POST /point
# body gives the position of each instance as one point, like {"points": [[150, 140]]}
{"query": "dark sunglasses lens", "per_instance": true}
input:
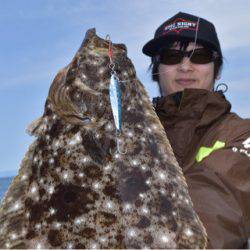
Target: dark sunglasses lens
{"points": [[199, 56], [202, 56], [170, 57]]}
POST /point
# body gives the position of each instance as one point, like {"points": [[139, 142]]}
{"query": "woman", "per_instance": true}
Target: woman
{"points": [[211, 144]]}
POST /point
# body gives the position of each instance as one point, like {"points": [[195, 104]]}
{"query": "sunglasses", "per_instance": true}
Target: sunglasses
{"points": [[198, 56]]}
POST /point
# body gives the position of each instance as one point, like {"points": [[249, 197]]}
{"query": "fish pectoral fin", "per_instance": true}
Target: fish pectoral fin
{"points": [[78, 119]]}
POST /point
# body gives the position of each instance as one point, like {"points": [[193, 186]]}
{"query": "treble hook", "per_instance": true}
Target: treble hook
{"points": [[118, 145], [118, 149]]}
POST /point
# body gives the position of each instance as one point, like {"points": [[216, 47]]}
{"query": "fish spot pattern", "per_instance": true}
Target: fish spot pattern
{"points": [[75, 190]]}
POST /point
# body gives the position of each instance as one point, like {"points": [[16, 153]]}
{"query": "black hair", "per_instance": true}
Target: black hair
{"points": [[155, 62]]}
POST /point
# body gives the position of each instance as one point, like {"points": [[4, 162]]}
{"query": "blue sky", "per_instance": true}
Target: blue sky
{"points": [[40, 37]]}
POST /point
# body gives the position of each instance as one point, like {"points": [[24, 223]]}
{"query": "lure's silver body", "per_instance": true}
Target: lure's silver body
{"points": [[116, 101]]}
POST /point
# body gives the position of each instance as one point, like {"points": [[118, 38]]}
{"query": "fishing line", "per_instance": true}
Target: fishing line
{"points": [[115, 96], [195, 43], [195, 39]]}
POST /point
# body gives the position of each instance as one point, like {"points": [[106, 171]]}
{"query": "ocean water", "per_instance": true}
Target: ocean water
{"points": [[4, 184]]}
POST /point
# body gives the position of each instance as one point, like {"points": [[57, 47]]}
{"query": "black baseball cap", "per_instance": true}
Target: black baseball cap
{"points": [[182, 26]]}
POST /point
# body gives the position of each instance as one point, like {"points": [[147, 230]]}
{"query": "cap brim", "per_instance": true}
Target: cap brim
{"points": [[152, 47]]}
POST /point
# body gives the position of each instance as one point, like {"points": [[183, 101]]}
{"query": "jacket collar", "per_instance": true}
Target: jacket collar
{"points": [[198, 104], [186, 117]]}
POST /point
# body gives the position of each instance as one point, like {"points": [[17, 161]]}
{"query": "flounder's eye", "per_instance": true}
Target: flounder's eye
{"points": [[86, 120]]}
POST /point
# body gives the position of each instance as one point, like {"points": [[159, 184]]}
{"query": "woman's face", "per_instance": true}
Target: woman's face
{"points": [[174, 78]]}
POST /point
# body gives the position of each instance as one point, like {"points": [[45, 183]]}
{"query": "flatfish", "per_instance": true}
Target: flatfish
{"points": [[75, 189]]}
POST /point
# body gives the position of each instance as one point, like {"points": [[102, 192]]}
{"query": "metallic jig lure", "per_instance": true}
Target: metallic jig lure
{"points": [[115, 96]]}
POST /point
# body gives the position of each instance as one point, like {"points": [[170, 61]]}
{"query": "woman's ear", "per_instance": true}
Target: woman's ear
{"points": [[218, 76]]}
